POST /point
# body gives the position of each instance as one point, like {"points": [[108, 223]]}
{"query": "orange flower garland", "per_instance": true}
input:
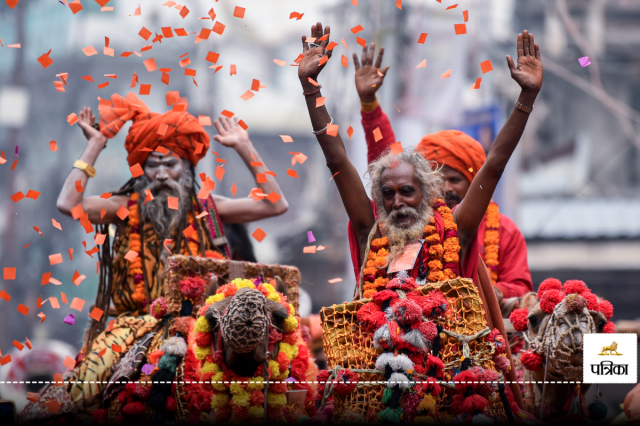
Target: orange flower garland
{"points": [[136, 270], [492, 240], [443, 255]]}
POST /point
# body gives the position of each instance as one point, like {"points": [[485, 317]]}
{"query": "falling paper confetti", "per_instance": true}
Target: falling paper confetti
{"points": [[584, 61], [70, 319], [312, 239]]}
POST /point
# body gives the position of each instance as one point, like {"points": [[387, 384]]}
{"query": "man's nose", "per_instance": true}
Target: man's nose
{"points": [[398, 202], [447, 186], [162, 174]]}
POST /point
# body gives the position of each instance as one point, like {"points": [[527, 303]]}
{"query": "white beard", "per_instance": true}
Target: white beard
{"points": [[399, 236]]}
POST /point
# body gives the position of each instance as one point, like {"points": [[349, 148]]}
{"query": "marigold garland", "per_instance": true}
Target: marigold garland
{"points": [[492, 240], [442, 259], [136, 269], [245, 394]]}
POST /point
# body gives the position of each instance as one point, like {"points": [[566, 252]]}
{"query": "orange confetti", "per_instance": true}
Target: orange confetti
{"points": [[150, 64], [238, 12], [422, 64], [22, 309], [460, 29], [357, 29], [173, 203], [234, 189], [122, 213], [145, 33], [422, 38], [204, 120], [75, 6], [259, 235], [53, 146], [332, 129], [131, 255], [89, 51], [4, 295], [45, 60], [72, 119], [116, 348], [96, 314], [446, 74], [486, 66], [69, 362], [377, 134], [145, 89], [452, 7], [18, 345], [54, 259], [9, 274], [362, 42], [136, 170], [292, 173], [335, 280], [396, 148], [344, 61], [77, 304], [218, 28], [280, 62], [247, 95]]}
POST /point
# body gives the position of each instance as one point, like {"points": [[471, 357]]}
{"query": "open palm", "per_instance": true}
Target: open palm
{"points": [[528, 71], [369, 77], [230, 134], [309, 66]]}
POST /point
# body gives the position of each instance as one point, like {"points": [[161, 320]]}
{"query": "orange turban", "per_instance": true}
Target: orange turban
{"points": [[455, 149], [183, 131]]}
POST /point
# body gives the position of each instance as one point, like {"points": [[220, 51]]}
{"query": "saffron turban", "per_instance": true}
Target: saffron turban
{"points": [[183, 133], [455, 149]]}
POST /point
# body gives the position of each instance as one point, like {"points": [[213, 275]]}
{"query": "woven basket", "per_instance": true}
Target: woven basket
{"points": [[217, 272], [349, 346]]}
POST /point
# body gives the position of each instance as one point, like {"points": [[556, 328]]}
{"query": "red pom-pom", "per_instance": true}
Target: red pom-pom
{"points": [[550, 299], [606, 308], [133, 408], [407, 311], [346, 382], [609, 327], [380, 297], [498, 341], [434, 361], [432, 305], [592, 300], [278, 387], [430, 385], [428, 330], [220, 414], [519, 319], [549, 284], [192, 287], [502, 363], [471, 404], [465, 380], [171, 404], [487, 376], [366, 312], [402, 283], [531, 361], [574, 286], [203, 339]]}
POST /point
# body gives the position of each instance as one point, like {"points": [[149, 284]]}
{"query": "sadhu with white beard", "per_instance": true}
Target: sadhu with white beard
{"points": [[167, 147], [407, 215]]}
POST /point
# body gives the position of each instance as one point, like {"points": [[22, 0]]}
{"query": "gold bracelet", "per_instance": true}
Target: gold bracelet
{"points": [[369, 106], [86, 168], [524, 108]]}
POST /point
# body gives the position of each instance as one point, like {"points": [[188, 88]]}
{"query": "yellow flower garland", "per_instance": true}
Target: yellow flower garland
{"points": [[237, 391]]}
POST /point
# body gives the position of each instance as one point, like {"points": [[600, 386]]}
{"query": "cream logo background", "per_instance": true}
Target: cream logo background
{"points": [[610, 358]]}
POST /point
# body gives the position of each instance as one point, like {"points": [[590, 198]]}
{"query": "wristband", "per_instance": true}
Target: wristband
{"points": [[369, 106]]}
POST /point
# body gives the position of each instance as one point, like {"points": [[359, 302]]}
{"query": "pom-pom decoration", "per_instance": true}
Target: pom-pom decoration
{"points": [[549, 284], [574, 287], [531, 361], [606, 308], [159, 308], [550, 299], [519, 319], [192, 287], [609, 327], [597, 410]]}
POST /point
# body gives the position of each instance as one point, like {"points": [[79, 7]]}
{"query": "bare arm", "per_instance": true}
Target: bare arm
{"points": [[246, 210], [354, 196], [528, 74], [69, 196]]}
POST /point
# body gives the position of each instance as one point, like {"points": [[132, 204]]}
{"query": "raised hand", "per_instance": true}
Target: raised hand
{"points": [[309, 66], [231, 134], [369, 77], [528, 72], [85, 121]]}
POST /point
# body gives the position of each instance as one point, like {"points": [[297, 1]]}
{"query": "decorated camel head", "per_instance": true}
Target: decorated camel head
{"points": [[553, 326], [240, 326]]}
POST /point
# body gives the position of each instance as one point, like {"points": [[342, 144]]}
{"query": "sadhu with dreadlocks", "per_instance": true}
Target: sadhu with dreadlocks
{"points": [[167, 147]]}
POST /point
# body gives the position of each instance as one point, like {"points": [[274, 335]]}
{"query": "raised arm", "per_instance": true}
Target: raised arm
{"points": [[369, 78], [528, 74], [354, 197], [245, 209], [70, 197]]}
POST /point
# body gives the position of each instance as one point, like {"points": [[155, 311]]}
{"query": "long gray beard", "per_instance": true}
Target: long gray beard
{"points": [[166, 222], [399, 236]]}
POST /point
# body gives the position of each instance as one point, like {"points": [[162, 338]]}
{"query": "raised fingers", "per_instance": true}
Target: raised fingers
{"points": [[372, 49], [525, 40], [537, 51], [305, 45], [364, 55], [219, 126], [532, 45], [520, 46], [379, 59], [356, 62]]}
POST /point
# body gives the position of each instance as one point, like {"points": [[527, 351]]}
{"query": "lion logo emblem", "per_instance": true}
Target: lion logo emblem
{"points": [[612, 349]]}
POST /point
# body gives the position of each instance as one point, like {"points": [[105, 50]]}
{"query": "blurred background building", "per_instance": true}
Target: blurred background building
{"points": [[573, 186]]}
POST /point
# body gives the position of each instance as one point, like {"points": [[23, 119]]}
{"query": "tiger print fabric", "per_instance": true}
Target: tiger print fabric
{"points": [[96, 369]]}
